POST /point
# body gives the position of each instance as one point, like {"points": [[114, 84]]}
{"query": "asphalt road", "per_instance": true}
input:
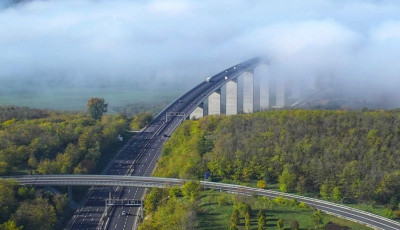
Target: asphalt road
{"points": [[139, 156]]}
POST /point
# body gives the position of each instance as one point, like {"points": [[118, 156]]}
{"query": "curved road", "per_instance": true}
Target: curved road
{"points": [[356, 215]]}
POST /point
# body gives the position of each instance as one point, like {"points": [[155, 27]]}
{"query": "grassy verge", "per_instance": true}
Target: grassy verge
{"points": [[374, 209], [213, 215]]}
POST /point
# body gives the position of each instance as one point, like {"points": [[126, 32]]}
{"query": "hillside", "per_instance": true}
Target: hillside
{"points": [[349, 156]]}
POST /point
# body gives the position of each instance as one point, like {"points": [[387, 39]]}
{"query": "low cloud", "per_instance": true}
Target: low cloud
{"points": [[158, 43]]}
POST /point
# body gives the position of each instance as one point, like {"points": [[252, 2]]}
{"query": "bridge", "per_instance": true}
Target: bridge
{"points": [[342, 211], [139, 155]]}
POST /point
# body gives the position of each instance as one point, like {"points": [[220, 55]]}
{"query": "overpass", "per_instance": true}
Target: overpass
{"points": [[342, 211]]}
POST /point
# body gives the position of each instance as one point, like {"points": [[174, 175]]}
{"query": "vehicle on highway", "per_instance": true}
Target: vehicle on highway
{"points": [[209, 79], [123, 213], [226, 77]]}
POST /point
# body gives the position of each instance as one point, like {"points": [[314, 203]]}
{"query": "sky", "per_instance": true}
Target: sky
{"points": [[176, 43]]}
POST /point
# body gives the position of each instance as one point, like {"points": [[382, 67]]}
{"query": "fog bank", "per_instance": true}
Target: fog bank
{"points": [[153, 44]]}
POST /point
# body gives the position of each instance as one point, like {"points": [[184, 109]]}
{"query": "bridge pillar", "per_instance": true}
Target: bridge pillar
{"points": [[280, 93], [231, 97], [197, 112], [248, 91], [265, 86], [214, 103]]}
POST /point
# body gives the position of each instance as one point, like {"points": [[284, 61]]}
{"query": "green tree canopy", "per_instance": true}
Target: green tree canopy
{"points": [[96, 107]]}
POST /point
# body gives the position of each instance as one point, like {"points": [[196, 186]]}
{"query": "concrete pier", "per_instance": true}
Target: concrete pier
{"points": [[280, 93], [265, 86], [231, 97], [198, 112], [214, 103], [248, 91]]}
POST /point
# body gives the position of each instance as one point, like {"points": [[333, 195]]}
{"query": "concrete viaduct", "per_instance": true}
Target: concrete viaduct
{"points": [[251, 90]]}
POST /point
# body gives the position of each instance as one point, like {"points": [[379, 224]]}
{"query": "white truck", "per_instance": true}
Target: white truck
{"points": [[209, 79]]}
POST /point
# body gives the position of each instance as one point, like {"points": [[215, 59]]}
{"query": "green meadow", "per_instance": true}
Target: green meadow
{"points": [[75, 98]]}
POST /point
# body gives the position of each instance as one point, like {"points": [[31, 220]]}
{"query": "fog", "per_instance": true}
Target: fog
{"points": [[174, 43]]}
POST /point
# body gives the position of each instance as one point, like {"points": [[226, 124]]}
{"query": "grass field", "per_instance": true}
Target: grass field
{"points": [[75, 98], [214, 216]]}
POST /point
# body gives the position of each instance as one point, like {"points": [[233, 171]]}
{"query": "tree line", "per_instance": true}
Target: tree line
{"points": [[58, 143]]}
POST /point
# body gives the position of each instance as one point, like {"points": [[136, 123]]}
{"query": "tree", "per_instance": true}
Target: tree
{"points": [[247, 218], [141, 120], [190, 190], [261, 220], [317, 219], [36, 214], [323, 191], [337, 194], [280, 224], [294, 225], [286, 180], [261, 184], [96, 107], [152, 200], [235, 218], [10, 225]]}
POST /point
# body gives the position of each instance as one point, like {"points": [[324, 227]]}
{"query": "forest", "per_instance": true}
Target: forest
{"points": [[342, 156], [46, 142]]}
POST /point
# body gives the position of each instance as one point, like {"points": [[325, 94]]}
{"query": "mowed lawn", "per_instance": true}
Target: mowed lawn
{"points": [[214, 216]]}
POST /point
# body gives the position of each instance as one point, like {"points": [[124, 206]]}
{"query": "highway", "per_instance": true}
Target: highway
{"points": [[139, 156], [356, 215]]}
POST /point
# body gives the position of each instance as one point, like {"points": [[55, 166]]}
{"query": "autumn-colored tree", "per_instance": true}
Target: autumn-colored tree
{"points": [[261, 184], [96, 107]]}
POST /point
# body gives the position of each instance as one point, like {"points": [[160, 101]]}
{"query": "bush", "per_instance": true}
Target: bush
{"points": [[389, 213], [294, 225], [396, 214], [261, 184]]}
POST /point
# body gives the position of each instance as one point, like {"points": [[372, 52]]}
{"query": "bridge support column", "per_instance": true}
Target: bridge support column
{"points": [[198, 112], [248, 91], [280, 93], [265, 85], [231, 97], [214, 103]]}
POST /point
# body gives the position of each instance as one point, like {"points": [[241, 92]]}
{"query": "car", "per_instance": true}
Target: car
{"points": [[123, 213]]}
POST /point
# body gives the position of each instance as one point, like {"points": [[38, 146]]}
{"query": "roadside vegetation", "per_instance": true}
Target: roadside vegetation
{"points": [[349, 157], [47, 142], [193, 208]]}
